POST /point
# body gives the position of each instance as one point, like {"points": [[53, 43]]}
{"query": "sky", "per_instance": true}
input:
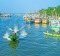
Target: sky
{"points": [[26, 6]]}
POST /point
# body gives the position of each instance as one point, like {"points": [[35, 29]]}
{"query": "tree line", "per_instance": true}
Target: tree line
{"points": [[55, 11]]}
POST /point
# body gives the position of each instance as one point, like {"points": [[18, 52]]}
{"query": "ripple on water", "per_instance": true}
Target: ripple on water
{"points": [[33, 44]]}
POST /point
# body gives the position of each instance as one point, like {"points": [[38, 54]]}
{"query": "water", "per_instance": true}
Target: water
{"points": [[32, 41]]}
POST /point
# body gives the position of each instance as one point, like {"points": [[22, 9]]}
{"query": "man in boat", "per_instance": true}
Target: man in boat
{"points": [[14, 36]]}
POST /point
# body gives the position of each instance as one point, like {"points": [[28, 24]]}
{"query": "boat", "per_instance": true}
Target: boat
{"points": [[37, 21], [50, 34], [13, 37], [26, 18], [5, 15], [45, 20], [29, 21]]}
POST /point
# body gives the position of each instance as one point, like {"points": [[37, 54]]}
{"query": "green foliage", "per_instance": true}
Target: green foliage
{"points": [[58, 10], [51, 11]]}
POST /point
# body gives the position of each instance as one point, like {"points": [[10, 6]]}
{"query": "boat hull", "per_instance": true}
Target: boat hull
{"points": [[13, 38], [54, 35]]}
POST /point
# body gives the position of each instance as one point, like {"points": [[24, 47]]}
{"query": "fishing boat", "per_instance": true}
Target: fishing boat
{"points": [[44, 20], [25, 17], [37, 21], [28, 19]]}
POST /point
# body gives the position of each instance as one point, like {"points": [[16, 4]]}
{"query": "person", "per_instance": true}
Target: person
{"points": [[14, 34]]}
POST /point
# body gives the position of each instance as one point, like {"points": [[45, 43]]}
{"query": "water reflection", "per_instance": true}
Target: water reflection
{"points": [[37, 26], [13, 44], [28, 26], [56, 38], [44, 25]]}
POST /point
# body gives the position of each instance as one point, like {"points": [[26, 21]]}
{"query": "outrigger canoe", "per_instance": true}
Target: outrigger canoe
{"points": [[49, 34], [13, 38]]}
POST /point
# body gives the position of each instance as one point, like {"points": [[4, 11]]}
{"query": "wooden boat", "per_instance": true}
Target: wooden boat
{"points": [[26, 18], [49, 34], [37, 21], [44, 20], [29, 21]]}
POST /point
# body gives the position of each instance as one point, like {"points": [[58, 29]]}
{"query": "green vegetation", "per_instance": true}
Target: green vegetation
{"points": [[55, 11]]}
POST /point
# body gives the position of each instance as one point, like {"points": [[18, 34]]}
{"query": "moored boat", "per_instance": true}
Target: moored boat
{"points": [[37, 21], [5, 15], [45, 20]]}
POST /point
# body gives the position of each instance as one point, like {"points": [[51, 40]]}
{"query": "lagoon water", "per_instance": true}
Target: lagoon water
{"points": [[35, 43]]}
